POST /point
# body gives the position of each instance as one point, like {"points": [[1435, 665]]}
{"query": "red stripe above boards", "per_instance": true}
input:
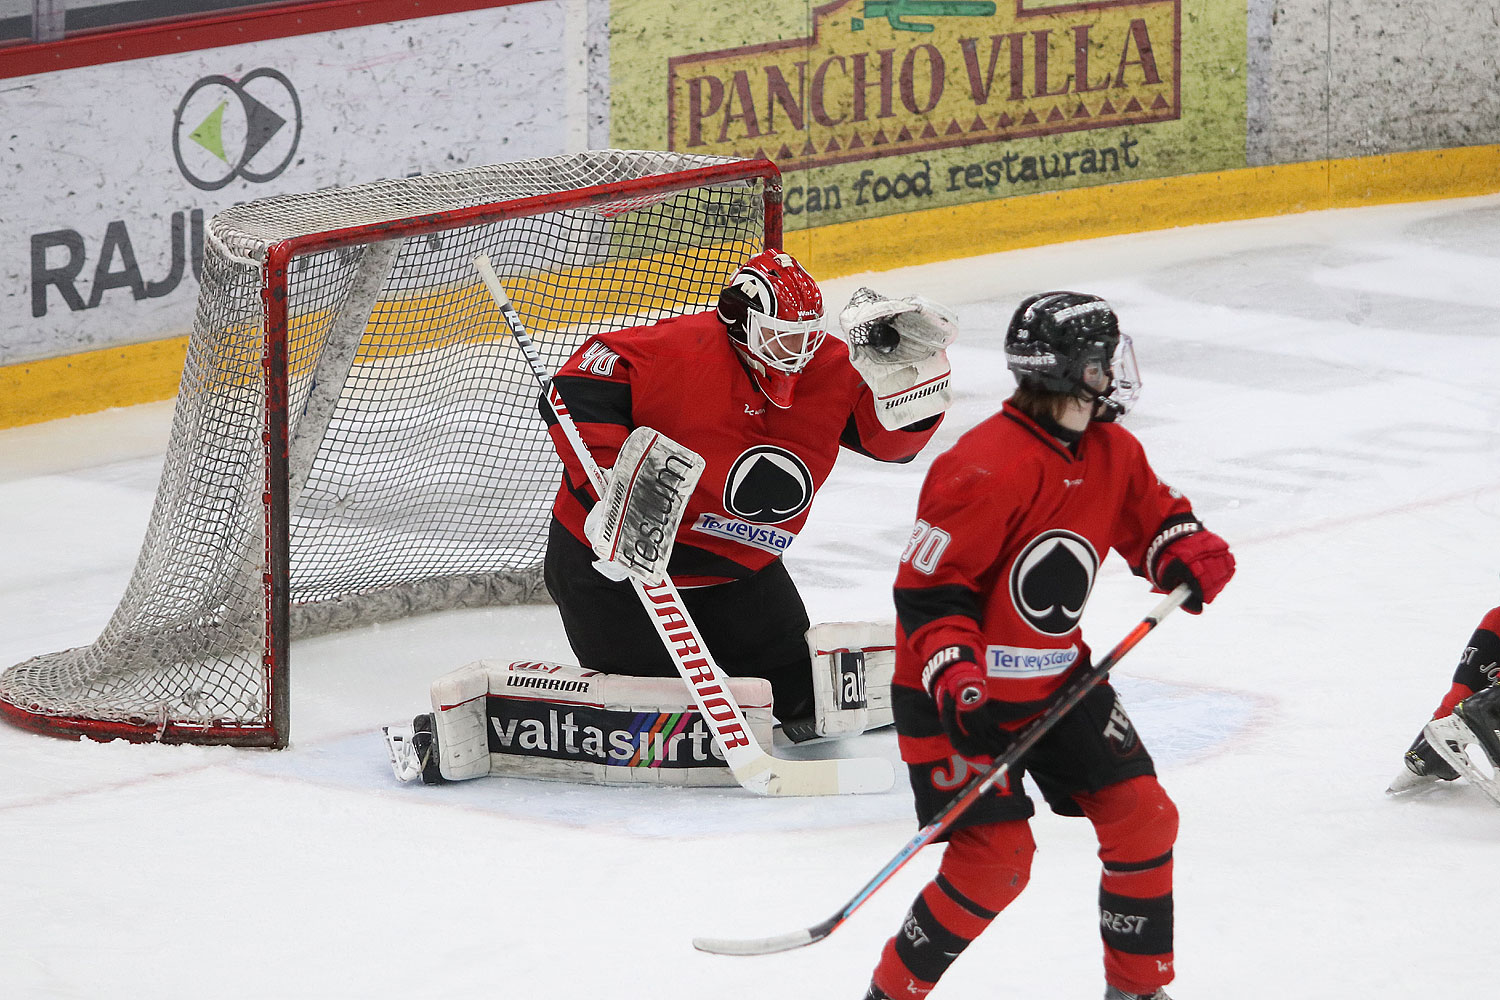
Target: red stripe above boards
{"points": [[225, 28]]}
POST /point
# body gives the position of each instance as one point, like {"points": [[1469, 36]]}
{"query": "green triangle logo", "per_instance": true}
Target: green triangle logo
{"points": [[210, 132]]}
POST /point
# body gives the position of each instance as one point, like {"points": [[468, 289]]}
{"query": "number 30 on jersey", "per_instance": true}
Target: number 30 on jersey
{"points": [[925, 547]]}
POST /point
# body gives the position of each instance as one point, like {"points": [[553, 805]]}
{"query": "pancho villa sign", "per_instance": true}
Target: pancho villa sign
{"points": [[879, 79]]}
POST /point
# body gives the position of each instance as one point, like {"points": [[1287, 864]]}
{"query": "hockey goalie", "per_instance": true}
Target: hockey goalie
{"points": [[717, 429]]}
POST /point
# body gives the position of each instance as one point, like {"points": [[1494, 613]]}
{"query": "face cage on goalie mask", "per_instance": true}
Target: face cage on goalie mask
{"points": [[783, 344]]}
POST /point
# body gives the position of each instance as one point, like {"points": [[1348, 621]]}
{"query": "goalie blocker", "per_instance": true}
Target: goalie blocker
{"points": [[562, 722]]}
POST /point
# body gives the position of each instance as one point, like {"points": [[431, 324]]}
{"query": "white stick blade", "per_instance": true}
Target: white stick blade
{"points": [[754, 946], [775, 776]]}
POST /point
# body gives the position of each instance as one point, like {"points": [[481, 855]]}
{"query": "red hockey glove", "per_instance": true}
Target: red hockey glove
{"points": [[958, 688], [1201, 560]]}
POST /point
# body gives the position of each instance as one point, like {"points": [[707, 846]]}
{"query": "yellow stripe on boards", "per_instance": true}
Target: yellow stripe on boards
{"points": [[35, 391], [140, 373], [430, 320]]}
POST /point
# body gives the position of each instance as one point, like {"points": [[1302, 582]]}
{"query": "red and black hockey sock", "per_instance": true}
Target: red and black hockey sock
{"points": [[1457, 693], [1137, 825], [1477, 668], [983, 869]]}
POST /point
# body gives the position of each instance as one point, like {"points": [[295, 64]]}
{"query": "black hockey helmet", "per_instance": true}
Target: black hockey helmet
{"points": [[1070, 342]]}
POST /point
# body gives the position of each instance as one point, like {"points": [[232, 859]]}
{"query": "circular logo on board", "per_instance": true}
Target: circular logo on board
{"points": [[226, 129], [1051, 579], [768, 485]]}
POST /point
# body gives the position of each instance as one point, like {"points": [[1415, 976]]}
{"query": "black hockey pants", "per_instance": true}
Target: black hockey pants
{"points": [[755, 627]]}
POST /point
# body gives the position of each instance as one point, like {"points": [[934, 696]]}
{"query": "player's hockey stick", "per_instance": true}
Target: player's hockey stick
{"points": [[752, 767], [1027, 739]]}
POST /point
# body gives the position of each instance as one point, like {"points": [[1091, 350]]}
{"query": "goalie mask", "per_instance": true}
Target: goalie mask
{"points": [[774, 312], [1070, 342]]}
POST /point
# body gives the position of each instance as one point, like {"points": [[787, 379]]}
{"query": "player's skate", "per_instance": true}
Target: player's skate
{"points": [[1424, 767], [1115, 993], [1475, 722], [414, 751]]}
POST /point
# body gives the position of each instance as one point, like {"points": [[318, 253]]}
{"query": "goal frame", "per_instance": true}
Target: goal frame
{"points": [[276, 497]]}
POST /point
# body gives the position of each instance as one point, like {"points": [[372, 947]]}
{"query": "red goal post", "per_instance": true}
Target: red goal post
{"points": [[354, 438]]}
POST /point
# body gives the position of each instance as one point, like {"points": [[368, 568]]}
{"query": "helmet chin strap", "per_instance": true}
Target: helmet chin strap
{"points": [[1106, 410]]}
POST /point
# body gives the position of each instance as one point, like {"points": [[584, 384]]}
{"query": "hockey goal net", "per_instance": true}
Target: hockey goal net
{"points": [[356, 437]]}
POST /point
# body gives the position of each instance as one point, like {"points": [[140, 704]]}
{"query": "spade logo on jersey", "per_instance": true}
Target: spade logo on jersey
{"points": [[1051, 579], [768, 485]]}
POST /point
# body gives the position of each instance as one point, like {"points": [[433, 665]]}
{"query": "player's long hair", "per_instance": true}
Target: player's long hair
{"points": [[1035, 402]]}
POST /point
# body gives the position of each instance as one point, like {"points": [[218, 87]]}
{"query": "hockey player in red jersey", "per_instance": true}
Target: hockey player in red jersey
{"points": [[1468, 714], [1012, 525], [757, 390]]}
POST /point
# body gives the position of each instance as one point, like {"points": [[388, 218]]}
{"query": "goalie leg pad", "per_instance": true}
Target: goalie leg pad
{"points": [[852, 664], [458, 701], [450, 743], [562, 722]]}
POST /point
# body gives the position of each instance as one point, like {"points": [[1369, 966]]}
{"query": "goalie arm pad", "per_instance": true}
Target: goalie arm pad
{"points": [[899, 347], [633, 526]]}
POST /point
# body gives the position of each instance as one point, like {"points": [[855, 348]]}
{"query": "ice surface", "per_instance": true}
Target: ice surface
{"points": [[1324, 386]]}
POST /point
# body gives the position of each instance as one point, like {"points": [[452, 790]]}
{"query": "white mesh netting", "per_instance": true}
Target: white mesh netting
{"points": [[420, 474]]}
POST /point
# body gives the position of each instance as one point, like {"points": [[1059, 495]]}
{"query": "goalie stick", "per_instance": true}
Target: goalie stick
{"points": [[1027, 739], [754, 768]]}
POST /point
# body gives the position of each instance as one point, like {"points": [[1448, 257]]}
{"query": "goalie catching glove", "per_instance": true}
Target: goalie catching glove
{"points": [[899, 347], [634, 524]]}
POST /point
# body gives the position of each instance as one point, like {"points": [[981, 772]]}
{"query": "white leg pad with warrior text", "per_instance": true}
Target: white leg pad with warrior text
{"points": [[558, 721], [853, 663]]}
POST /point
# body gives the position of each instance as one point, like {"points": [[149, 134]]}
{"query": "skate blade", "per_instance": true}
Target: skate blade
{"points": [[1407, 783]]}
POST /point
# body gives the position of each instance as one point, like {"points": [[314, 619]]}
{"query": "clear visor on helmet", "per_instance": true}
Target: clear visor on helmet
{"points": [[1119, 382], [784, 344]]}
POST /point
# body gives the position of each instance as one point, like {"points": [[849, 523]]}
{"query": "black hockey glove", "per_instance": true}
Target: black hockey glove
{"points": [[959, 689]]}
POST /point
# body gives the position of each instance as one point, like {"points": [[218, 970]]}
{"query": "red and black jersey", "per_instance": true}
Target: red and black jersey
{"points": [[1011, 528], [683, 378]]}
